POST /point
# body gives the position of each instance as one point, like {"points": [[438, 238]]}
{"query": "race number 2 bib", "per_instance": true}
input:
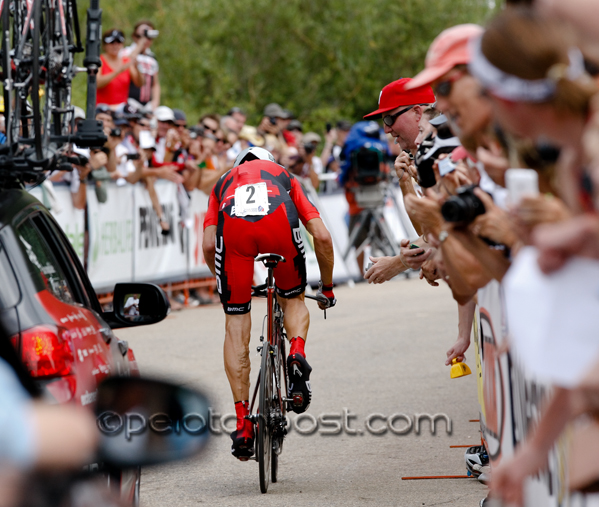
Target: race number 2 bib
{"points": [[251, 200]]}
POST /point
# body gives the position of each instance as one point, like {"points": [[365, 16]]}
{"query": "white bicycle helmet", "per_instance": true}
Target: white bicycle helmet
{"points": [[253, 153]]}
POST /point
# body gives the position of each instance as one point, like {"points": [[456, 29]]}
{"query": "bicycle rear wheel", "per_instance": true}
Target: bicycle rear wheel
{"points": [[280, 381], [263, 427]]}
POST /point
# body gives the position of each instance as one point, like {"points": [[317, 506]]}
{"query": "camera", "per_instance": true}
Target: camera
{"points": [[273, 120], [367, 165], [133, 156], [195, 132], [429, 151], [151, 34], [116, 132], [463, 207], [446, 166]]}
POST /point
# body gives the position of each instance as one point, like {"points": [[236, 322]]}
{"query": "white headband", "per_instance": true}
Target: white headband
{"points": [[510, 87]]}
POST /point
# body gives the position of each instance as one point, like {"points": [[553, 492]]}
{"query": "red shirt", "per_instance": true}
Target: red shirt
{"points": [[282, 188], [117, 91]]}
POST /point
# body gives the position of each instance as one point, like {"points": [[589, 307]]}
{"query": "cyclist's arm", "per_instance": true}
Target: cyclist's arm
{"points": [[209, 246], [323, 246]]}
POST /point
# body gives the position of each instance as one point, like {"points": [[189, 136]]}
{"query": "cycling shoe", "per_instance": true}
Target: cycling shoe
{"points": [[243, 442], [299, 389]]}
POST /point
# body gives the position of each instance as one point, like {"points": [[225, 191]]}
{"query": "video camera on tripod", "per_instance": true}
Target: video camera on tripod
{"points": [[364, 164]]}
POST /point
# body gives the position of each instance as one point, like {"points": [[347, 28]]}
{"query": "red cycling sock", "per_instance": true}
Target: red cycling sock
{"points": [[242, 408], [297, 346]]}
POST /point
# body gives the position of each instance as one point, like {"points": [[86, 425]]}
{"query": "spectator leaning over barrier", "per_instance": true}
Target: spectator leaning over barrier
{"points": [[144, 32], [117, 72], [401, 110], [542, 91]]}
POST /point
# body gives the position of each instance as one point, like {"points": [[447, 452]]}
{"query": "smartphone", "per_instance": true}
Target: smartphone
{"points": [[133, 156], [329, 127], [446, 166], [520, 183], [413, 246]]}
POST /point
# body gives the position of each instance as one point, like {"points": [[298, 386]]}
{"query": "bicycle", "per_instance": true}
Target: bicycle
{"points": [[271, 417], [38, 45]]}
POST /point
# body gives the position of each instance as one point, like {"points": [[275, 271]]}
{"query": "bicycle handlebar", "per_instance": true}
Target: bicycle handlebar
{"points": [[260, 291]]}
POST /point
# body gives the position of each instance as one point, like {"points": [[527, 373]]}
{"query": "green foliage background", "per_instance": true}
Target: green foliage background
{"points": [[323, 59]]}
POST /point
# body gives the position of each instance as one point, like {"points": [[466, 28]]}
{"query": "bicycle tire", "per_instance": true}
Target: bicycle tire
{"points": [[263, 426], [280, 370], [7, 71], [35, 80]]}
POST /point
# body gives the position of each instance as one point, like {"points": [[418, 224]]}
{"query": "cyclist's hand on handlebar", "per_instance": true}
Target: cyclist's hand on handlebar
{"points": [[327, 292]]}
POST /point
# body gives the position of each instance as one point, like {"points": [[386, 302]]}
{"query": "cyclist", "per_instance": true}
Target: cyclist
{"points": [[256, 207]]}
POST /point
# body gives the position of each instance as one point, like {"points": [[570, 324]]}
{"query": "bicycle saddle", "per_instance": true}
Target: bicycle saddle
{"points": [[270, 259]]}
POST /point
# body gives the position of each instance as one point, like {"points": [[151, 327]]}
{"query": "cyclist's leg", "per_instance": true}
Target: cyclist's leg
{"points": [[297, 317], [237, 354], [234, 268]]}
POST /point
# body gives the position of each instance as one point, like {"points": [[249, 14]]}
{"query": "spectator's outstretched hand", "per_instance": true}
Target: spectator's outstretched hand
{"points": [[429, 272], [558, 242], [384, 268], [458, 349], [413, 257]]}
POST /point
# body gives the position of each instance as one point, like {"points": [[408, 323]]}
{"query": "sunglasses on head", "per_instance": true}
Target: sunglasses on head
{"points": [[114, 36], [389, 120]]}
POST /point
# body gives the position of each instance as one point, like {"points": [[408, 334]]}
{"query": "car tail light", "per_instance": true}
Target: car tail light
{"points": [[46, 351]]}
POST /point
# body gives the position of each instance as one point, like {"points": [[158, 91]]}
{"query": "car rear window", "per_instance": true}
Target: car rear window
{"points": [[9, 288], [42, 262]]}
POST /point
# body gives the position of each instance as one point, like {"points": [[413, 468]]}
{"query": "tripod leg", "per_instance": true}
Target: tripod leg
{"points": [[353, 235], [386, 236]]}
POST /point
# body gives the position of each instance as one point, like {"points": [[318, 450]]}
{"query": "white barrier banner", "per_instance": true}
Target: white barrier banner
{"points": [[198, 206], [110, 258], [70, 219], [511, 401], [158, 257]]}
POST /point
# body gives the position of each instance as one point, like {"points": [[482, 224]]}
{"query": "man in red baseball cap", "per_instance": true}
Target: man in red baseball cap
{"points": [[401, 110]]}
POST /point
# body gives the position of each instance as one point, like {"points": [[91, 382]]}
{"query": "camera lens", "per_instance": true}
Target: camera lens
{"points": [[463, 207]]}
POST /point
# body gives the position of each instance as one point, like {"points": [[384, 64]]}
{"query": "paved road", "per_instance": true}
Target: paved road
{"points": [[381, 350]]}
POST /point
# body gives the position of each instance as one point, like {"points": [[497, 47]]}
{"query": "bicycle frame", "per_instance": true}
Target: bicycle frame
{"points": [[275, 342]]}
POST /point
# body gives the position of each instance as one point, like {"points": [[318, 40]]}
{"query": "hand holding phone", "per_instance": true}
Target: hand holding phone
{"points": [[414, 246]]}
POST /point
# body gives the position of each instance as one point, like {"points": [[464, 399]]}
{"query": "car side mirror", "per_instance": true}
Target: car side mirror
{"points": [[137, 304], [145, 422]]}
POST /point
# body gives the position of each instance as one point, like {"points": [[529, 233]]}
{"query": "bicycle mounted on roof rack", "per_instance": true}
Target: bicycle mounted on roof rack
{"points": [[38, 46]]}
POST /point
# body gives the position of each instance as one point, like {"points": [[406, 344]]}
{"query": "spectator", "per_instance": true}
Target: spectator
{"points": [[149, 91], [239, 116], [271, 128], [296, 129], [402, 110], [334, 141], [117, 72], [167, 137]]}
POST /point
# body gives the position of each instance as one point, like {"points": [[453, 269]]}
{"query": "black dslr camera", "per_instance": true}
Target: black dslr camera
{"points": [[463, 207]]}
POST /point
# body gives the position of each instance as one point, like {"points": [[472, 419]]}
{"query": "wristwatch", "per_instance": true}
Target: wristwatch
{"points": [[443, 235]]}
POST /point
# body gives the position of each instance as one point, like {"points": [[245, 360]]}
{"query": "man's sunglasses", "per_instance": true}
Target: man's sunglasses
{"points": [[389, 120], [208, 128]]}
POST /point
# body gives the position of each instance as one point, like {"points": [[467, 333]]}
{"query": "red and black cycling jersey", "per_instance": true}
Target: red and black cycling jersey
{"points": [[282, 187]]}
